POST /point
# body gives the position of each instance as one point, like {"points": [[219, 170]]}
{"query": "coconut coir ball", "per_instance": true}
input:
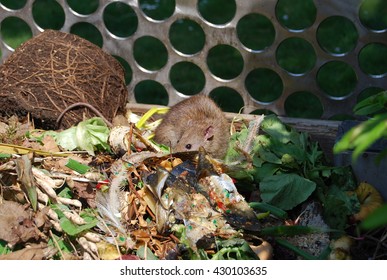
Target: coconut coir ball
{"points": [[54, 70]]}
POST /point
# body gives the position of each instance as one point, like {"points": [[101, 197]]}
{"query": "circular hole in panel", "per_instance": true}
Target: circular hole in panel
{"points": [[217, 11], [337, 79], [256, 32], [15, 31], [48, 14], [158, 9], [296, 14], [296, 55], [120, 19], [84, 7], [262, 111], [151, 92], [373, 14], [228, 99], [303, 104], [13, 4], [127, 68], [187, 36], [87, 31], [264, 85], [373, 59], [225, 62], [337, 35], [368, 92], [150, 53], [187, 78]]}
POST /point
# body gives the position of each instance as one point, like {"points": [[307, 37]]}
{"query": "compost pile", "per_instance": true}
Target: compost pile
{"points": [[96, 192]]}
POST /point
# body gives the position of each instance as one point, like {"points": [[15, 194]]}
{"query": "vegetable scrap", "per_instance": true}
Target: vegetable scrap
{"points": [[94, 192]]}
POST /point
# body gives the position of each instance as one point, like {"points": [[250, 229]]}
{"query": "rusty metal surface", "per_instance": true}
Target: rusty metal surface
{"points": [[226, 34]]}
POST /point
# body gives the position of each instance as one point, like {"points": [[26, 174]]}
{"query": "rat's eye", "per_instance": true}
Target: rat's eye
{"points": [[188, 146]]}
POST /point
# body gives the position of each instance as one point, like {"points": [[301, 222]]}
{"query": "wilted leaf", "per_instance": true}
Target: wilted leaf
{"points": [[90, 135], [34, 252], [15, 223], [24, 172]]}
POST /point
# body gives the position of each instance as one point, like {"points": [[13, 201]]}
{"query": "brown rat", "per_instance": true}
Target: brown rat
{"points": [[194, 122]]}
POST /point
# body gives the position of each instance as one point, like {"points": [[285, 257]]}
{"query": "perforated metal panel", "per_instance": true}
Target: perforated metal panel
{"points": [[226, 34]]}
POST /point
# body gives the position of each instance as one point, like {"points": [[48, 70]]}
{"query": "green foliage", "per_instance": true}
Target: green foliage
{"points": [[145, 253], [362, 136], [286, 190], [234, 249], [77, 166], [71, 228], [289, 168], [376, 219], [4, 249]]}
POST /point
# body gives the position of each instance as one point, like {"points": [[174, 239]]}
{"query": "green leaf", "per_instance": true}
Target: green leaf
{"points": [[286, 190], [372, 104], [73, 229], [4, 249], [64, 245], [273, 126], [362, 136], [77, 166], [376, 219], [266, 170], [234, 249], [66, 193], [295, 249], [338, 205], [145, 253], [264, 207]]}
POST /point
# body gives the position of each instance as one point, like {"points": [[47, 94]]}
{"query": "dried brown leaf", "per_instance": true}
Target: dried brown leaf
{"points": [[34, 252]]}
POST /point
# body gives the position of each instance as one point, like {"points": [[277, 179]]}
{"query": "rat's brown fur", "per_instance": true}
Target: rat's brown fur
{"points": [[194, 122]]}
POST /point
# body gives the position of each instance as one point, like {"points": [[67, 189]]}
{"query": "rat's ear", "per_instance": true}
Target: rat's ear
{"points": [[209, 133]]}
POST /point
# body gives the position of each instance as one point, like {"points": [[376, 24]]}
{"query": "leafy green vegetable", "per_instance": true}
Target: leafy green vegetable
{"points": [[286, 191], [90, 135]]}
